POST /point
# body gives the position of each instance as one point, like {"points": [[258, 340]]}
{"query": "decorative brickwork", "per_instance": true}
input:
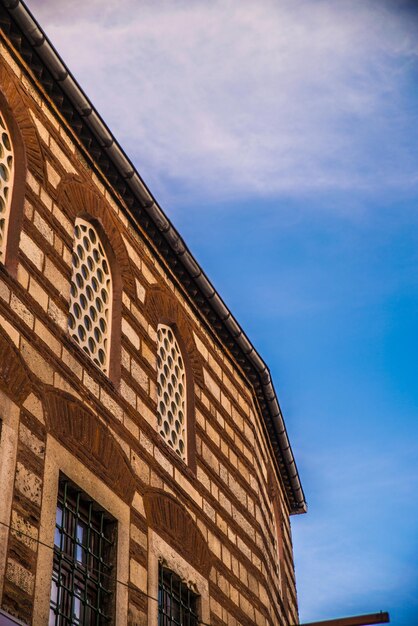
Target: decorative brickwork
{"points": [[27, 153], [79, 430], [169, 518], [78, 199], [14, 374], [213, 512], [17, 100]]}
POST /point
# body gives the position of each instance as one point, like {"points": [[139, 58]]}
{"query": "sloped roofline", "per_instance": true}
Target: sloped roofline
{"points": [[102, 145]]}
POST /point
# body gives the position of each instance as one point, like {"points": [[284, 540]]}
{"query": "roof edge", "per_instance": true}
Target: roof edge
{"points": [[128, 172]]}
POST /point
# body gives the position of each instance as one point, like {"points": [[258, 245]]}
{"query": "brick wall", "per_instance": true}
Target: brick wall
{"points": [[227, 491]]}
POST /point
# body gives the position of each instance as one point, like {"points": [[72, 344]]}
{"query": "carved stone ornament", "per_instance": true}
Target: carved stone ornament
{"points": [[78, 199], [175, 525], [83, 434], [14, 374]]}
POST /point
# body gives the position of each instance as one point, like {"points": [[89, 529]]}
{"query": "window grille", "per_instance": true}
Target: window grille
{"points": [[83, 573], [6, 182], [90, 295], [177, 603], [171, 391]]}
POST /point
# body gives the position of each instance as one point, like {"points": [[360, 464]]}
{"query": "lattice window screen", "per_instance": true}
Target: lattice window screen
{"points": [[6, 182], [91, 295], [171, 411]]}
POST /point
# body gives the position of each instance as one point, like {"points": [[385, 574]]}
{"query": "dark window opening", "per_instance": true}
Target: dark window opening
{"points": [[83, 577], [177, 603]]}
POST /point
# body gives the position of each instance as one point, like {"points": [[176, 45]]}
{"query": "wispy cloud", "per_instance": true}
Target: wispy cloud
{"points": [[236, 97], [294, 99], [339, 555]]}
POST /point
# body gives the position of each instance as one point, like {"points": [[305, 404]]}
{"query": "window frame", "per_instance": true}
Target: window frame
{"points": [[9, 620], [115, 318], [59, 460], [190, 420], [172, 594], [160, 551], [79, 510], [10, 182], [76, 272], [185, 398]]}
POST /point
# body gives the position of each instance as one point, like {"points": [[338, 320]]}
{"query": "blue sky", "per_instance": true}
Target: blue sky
{"points": [[281, 139]]}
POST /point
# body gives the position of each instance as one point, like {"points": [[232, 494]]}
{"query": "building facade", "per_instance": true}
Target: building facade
{"points": [[146, 475]]}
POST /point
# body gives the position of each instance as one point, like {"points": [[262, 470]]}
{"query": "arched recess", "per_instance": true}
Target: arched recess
{"points": [[28, 155], [15, 378], [163, 308], [77, 199], [85, 436], [168, 517]]}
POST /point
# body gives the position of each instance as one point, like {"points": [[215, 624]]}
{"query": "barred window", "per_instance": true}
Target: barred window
{"points": [[90, 295], [6, 182], [177, 603], [171, 391], [83, 576]]}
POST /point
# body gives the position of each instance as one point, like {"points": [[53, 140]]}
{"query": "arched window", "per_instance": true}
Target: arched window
{"points": [[171, 391], [89, 320], [7, 167]]}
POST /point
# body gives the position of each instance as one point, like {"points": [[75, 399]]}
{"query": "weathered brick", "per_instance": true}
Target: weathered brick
{"points": [[212, 386], [24, 531], [47, 337], [38, 293], [20, 576], [38, 364], [32, 251], [57, 279], [138, 575], [44, 228], [129, 332], [29, 439], [21, 310], [28, 484], [61, 157]]}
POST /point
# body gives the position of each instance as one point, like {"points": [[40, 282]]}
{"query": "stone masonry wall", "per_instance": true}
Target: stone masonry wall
{"points": [[228, 489]]}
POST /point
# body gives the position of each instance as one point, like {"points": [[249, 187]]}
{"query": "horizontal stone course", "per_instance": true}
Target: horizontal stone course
{"points": [[227, 494]]}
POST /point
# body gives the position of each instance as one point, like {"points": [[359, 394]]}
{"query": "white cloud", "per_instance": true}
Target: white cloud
{"points": [[347, 554], [235, 97]]}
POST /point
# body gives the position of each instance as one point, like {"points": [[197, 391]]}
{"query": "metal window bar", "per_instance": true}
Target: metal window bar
{"points": [[82, 580], [177, 603]]}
